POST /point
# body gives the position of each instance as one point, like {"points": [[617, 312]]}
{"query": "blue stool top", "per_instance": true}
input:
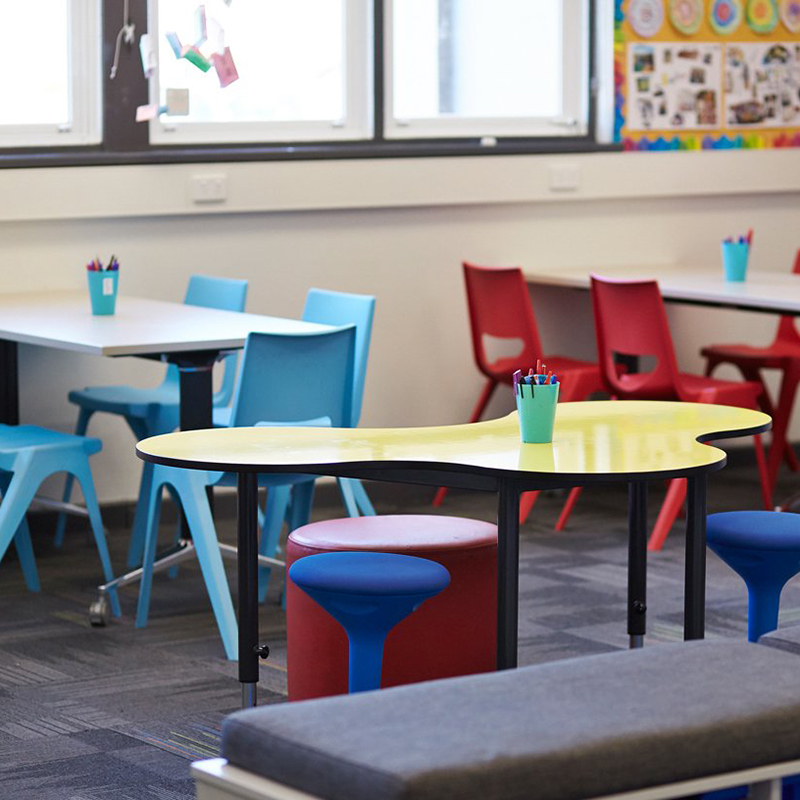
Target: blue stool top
{"points": [[369, 574], [755, 530]]}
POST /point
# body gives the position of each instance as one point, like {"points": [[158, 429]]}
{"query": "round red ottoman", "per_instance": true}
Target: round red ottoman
{"points": [[453, 633]]}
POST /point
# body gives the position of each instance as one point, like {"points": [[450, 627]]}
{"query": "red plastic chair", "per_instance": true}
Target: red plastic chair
{"points": [[784, 355], [500, 307], [630, 320]]}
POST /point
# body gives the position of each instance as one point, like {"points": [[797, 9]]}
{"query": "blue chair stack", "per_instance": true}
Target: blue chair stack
{"points": [[368, 594], [153, 411], [28, 455], [277, 385]]}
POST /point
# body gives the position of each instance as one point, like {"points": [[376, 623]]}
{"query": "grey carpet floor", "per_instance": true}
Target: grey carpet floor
{"points": [[90, 714]]}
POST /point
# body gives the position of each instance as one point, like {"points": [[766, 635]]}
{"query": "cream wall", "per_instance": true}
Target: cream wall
{"points": [[397, 229]]}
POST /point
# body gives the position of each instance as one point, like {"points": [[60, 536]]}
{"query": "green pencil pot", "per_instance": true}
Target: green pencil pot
{"points": [[103, 291], [734, 260], [537, 412]]}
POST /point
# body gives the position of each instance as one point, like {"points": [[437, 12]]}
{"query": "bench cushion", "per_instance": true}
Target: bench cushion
{"points": [[569, 729]]}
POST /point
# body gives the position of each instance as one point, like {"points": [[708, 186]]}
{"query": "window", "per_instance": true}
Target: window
{"points": [[477, 68], [50, 62], [303, 71], [239, 79]]}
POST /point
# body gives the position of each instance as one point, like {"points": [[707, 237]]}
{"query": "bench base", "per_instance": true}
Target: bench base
{"points": [[217, 780]]}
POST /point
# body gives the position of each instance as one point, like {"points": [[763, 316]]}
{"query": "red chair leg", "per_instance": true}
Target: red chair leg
{"points": [[669, 511], [763, 473], [480, 407], [526, 503], [563, 518], [780, 425]]}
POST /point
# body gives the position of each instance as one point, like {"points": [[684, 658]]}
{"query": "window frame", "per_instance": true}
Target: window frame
{"points": [[84, 100], [576, 20], [356, 126], [126, 142]]}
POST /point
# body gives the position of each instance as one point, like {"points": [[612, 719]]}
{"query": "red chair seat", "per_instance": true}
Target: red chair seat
{"points": [[773, 356], [699, 389]]}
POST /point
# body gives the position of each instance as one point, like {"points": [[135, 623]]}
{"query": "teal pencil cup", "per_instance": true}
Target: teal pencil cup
{"points": [[734, 260], [103, 291], [537, 412]]}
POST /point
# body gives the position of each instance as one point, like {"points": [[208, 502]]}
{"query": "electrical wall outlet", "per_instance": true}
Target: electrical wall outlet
{"points": [[565, 177], [210, 188]]}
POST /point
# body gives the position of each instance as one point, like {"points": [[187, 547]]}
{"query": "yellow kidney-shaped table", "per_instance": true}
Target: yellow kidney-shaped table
{"points": [[594, 442]]}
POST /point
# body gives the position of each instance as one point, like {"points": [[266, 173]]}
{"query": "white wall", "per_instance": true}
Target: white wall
{"points": [[365, 227]]}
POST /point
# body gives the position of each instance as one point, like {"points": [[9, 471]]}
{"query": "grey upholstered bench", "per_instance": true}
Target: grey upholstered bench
{"points": [[666, 721]]}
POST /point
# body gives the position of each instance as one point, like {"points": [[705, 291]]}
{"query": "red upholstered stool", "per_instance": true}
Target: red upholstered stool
{"points": [[453, 633]]}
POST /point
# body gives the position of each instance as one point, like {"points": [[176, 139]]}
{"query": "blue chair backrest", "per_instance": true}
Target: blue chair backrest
{"points": [[226, 294], [290, 377], [339, 308]]}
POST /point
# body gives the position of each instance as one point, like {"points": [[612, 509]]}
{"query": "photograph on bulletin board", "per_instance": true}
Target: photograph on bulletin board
{"points": [[712, 74]]}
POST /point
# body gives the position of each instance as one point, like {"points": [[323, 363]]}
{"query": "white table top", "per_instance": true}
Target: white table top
{"points": [[140, 327], [777, 292]]}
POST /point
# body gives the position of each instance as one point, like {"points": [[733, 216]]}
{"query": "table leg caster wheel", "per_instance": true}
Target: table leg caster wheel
{"points": [[100, 612]]}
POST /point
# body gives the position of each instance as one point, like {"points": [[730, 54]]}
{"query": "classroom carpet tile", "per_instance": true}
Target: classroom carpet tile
{"points": [[119, 712]]}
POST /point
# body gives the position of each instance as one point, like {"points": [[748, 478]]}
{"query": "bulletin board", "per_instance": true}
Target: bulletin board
{"points": [[710, 74]]}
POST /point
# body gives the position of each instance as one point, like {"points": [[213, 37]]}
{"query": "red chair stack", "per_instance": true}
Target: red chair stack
{"points": [[500, 307], [630, 320]]}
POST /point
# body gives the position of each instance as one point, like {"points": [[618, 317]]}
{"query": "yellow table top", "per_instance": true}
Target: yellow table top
{"points": [[592, 441]]}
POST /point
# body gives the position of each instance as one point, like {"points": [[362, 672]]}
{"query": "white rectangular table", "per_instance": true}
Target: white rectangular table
{"points": [[769, 292], [192, 337]]}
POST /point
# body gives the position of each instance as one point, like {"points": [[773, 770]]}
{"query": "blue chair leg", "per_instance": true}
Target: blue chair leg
{"points": [[362, 498], [277, 504], [765, 572], [190, 487], [23, 545], [27, 561], [17, 497], [84, 475], [348, 497], [148, 512], [84, 415], [300, 508]]}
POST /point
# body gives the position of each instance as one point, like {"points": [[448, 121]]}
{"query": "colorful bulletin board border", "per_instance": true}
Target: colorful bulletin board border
{"points": [[723, 87]]}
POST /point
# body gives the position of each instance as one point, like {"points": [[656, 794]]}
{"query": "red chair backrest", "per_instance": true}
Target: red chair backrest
{"points": [[500, 306], [787, 331], [630, 320]]}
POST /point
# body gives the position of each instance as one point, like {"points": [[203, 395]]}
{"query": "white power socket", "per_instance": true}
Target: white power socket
{"points": [[565, 177], [210, 188]]}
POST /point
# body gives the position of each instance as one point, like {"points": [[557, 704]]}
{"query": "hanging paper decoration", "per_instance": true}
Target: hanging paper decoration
{"points": [[762, 15], [646, 17], [686, 15], [790, 14], [725, 16]]}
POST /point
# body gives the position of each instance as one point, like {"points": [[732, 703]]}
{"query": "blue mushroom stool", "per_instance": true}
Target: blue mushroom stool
{"points": [[763, 547], [368, 594]]}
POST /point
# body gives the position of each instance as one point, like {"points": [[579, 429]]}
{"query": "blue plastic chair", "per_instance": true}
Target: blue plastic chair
{"points": [[763, 548], [368, 594], [28, 455], [328, 307], [150, 412], [285, 378]]}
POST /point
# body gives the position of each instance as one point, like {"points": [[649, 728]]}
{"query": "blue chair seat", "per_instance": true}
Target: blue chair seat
{"points": [[368, 594], [763, 548], [127, 400], [14, 438]]}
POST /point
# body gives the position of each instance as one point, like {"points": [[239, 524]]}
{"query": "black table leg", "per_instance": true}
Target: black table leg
{"points": [[9, 388], [637, 562], [507, 574], [247, 561], [694, 614]]}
